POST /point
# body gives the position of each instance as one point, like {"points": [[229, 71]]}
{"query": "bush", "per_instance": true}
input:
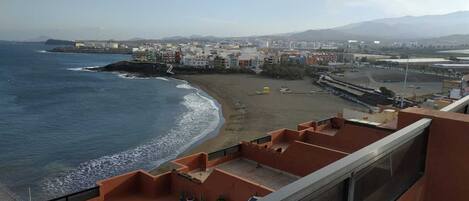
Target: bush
{"points": [[290, 72], [387, 92]]}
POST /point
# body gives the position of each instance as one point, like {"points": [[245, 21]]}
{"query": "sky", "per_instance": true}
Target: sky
{"points": [[153, 19]]}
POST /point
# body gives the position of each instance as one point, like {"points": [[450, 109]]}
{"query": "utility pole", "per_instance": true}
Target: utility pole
{"points": [[405, 82]]}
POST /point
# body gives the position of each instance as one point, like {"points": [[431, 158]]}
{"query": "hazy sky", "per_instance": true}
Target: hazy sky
{"points": [[125, 19]]}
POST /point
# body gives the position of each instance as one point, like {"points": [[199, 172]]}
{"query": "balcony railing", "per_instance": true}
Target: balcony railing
{"points": [[80, 195], [262, 140], [381, 171], [460, 106], [224, 152]]}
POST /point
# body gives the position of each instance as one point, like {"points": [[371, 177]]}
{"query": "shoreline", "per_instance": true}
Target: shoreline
{"points": [[218, 103], [226, 111], [248, 116]]}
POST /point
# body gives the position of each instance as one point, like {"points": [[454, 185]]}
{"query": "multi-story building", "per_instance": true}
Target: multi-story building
{"points": [[168, 56], [322, 58], [195, 61], [232, 61], [219, 62], [419, 156], [144, 56]]}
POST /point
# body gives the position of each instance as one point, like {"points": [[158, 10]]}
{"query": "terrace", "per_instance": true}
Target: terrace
{"points": [[260, 174], [422, 161], [358, 162]]}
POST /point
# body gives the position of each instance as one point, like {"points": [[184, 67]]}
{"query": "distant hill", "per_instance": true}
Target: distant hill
{"points": [[38, 39], [402, 28], [59, 42], [324, 35], [458, 39]]}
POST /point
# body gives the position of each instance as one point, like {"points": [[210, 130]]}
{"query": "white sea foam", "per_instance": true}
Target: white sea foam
{"points": [[162, 78], [87, 69], [130, 76], [201, 118], [42, 51], [184, 86]]}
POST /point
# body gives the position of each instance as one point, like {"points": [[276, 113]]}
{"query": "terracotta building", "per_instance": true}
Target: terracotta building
{"points": [[420, 156]]}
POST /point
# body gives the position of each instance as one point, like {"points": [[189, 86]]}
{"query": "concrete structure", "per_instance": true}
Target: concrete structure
{"points": [[420, 157], [465, 85], [449, 85]]}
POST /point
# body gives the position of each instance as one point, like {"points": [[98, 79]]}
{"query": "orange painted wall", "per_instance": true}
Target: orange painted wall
{"points": [[447, 163], [191, 162], [306, 125], [118, 186], [416, 192], [349, 138], [219, 183], [134, 182], [285, 135], [220, 160], [298, 159]]}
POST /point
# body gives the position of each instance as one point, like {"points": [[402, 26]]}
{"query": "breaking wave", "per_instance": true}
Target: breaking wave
{"points": [[184, 86], [87, 68], [131, 76], [201, 118], [162, 78]]}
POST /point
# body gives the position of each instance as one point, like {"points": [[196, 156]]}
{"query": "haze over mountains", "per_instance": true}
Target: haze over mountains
{"points": [[452, 26], [408, 27], [448, 27]]}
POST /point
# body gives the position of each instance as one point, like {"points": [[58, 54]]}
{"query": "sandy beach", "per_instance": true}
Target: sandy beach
{"points": [[249, 116]]}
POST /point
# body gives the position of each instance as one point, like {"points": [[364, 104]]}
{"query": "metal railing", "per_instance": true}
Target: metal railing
{"points": [[80, 195], [324, 121], [345, 178], [460, 106], [224, 152], [262, 140]]}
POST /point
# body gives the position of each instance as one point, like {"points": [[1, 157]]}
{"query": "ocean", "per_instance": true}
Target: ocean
{"points": [[63, 128]]}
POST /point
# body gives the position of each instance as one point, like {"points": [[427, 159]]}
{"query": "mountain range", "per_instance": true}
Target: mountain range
{"points": [[400, 28], [452, 28]]}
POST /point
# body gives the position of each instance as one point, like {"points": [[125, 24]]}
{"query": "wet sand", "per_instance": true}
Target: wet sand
{"points": [[249, 116]]}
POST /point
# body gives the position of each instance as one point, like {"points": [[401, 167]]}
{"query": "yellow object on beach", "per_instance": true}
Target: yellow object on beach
{"points": [[266, 90]]}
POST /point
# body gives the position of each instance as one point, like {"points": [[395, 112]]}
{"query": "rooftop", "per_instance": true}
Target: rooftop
{"points": [[330, 159]]}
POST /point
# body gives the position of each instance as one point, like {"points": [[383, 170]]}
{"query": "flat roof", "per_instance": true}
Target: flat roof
{"points": [[260, 174]]}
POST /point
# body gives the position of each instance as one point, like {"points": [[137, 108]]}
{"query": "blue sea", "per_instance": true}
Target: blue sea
{"points": [[62, 128]]}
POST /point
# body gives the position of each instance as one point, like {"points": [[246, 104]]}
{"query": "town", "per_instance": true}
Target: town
{"points": [[336, 60]]}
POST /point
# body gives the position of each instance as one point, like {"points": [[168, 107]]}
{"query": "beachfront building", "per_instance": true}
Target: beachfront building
{"points": [[420, 155], [232, 61], [169, 56], [271, 59], [198, 61], [219, 62]]}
